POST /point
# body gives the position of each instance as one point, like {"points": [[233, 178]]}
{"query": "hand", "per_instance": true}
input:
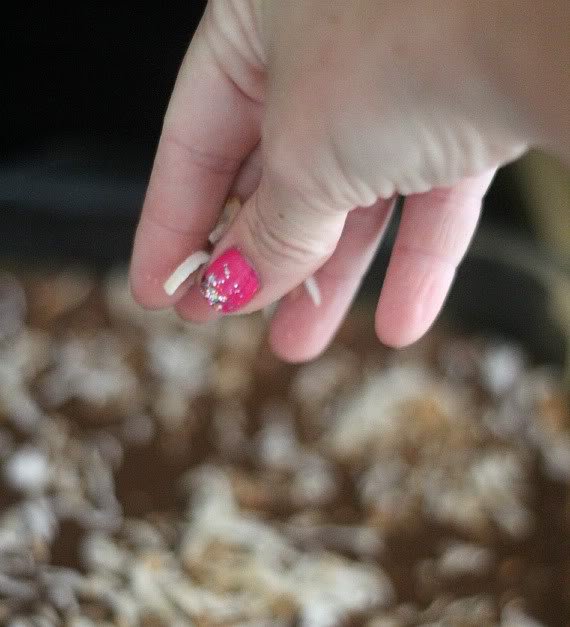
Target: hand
{"points": [[318, 113]]}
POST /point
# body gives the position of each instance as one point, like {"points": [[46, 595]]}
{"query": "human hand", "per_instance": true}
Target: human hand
{"points": [[318, 113]]}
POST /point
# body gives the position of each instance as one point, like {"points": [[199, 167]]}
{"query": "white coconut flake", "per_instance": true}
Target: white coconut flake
{"points": [[181, 360], [474, 610], [370, 416], [314, 481], [99, 553], [277, 442], [216, 235], [501, 367], [460, 559], [499, 481], [147, 592], [27, 470], [39, 519], [94, 370], [313, 290], [328, 589], [269, 311], [232, 207], [514, 616], [184, 270], [316, 382]]}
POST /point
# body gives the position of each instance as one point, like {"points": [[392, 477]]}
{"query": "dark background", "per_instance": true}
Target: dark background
{"points": [[84, 102], [87, 91]]}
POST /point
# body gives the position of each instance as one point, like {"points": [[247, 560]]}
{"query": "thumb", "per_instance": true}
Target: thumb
{"points": [[280, 238]]}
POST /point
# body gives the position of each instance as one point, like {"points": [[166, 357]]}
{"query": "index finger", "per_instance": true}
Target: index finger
{"points": [[211, 125]]}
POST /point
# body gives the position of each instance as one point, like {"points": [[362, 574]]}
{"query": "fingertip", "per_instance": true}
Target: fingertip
{"points": [[301, 330], [410, 301], [147, 292], [151, 266], [291, 346], [394, 334], [192, 307], [433, 235], [295, 355]]}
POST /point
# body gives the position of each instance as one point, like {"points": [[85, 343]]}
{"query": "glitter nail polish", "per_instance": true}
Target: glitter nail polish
{"points": [[229, 282]]}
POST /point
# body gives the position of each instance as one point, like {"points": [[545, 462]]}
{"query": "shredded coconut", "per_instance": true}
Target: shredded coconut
{"points": [[313, 290], [27, 470], [463, 558], [514, 616], [217, 233], [231, 209], [325, 588], [314, 474], [184, 270]]}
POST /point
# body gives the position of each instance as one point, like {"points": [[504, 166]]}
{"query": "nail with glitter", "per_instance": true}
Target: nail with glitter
{"points": [[229, 282]]}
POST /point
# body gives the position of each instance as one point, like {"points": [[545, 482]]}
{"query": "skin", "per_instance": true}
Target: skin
{"points": [[316, 114]]}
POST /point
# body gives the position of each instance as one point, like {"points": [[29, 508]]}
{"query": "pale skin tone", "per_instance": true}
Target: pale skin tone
{"points": [[317, 113]]}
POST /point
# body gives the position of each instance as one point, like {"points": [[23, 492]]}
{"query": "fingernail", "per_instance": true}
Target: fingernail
{"points": [[229, 282]]}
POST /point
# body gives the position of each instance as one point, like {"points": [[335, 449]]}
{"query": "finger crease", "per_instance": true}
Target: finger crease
{"points": [[240, 90], [428, 256], [270, 242], [158, 222], [216, 163]]}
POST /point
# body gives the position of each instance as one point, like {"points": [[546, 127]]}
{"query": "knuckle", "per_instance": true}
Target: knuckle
{"points": [[277, 238], [429, 255]]}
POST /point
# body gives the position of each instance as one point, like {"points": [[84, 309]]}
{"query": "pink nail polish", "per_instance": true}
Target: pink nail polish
{"points": [[229, 282]]}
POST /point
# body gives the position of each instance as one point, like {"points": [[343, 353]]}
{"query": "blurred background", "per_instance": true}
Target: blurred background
{"points": [[83, 116], [83, 106]]}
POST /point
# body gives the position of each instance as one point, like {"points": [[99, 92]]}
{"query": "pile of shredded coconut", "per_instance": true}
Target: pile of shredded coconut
{"points": [[158, 473]]}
